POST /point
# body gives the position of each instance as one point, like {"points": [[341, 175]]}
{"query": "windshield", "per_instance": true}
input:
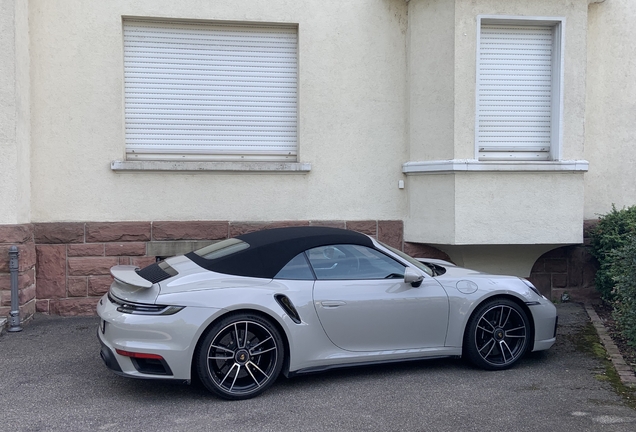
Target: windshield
{"points": [[426, 269], [222, 249]]}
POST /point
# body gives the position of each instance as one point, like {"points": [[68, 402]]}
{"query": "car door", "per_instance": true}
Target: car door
{"points": [[364, 305]]}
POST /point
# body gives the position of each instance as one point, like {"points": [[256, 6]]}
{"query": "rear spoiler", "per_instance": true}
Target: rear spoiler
{"points": [[128, 274]]}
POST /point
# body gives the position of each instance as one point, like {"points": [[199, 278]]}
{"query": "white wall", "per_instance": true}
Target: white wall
{"points": [[14, 113], [351, 116], [610, 132]]}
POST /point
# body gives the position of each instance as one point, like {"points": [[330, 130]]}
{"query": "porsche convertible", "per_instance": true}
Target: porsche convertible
{"points": [[238, 313]]}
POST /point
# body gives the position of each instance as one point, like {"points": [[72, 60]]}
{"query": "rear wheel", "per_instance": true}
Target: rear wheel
{"points": [[240, 357], [498, 335]]}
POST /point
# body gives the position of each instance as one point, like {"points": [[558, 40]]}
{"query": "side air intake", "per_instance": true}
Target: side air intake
{"points": [[288, 307]]}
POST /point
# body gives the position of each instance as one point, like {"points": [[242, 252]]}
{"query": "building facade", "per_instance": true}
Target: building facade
{"points": [[482, 131]]}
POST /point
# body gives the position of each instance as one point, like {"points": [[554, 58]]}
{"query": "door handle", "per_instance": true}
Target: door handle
{"points": [[332, 303]]}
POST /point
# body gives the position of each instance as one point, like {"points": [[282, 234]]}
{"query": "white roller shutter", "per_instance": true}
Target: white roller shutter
{"points": [[515, 73], [199, 91]]}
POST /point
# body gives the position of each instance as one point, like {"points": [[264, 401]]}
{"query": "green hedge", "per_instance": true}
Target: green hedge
{"points": [[614, 245], [612, 232], [624, 276]]}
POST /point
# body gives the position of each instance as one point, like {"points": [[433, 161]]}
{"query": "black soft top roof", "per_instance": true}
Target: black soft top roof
{"points": [[271, 249]]}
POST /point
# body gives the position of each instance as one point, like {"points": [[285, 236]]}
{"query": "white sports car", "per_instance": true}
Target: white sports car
{"points": [[297, 300]]}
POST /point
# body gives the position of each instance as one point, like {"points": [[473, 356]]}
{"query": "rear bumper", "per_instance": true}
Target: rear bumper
{"points": [[108, 357], [173, 337]]}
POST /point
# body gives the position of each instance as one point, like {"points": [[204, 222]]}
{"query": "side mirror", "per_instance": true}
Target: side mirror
{"points": [[412, 277]]}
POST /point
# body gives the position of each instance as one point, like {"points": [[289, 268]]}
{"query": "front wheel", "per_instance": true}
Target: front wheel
{"points": [[240, 357], [498, 335]]}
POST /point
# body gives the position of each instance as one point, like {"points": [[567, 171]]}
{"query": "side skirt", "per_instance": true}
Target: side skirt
{"points": [[318, 369]]}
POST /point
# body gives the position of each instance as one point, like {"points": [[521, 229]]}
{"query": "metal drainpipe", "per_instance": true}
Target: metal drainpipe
{"points": [[14, 316]]}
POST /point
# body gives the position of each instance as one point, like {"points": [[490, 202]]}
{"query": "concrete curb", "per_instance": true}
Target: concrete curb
{"points": [[625, 371]]}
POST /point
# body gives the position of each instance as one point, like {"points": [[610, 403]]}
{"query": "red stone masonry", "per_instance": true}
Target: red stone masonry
{"points": [[368, 227], [22, 237], [391, 233], [196, 230], [419, 250], [77, 286], [51, 271], [85, 249], [59, 232], [118, 231], [330, 224], [568, 269], [239, 228]]}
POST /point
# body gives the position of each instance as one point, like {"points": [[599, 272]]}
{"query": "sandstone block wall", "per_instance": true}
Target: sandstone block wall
{"points": [[22, 237], [568, 269]]}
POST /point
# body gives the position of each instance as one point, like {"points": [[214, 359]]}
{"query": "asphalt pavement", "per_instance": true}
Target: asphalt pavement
{"points": [[52, 379]]}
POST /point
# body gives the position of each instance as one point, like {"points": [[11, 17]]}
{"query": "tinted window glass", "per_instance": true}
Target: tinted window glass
{"points": [[297, 269], [222, 248], [353, 262], [426, 269]]}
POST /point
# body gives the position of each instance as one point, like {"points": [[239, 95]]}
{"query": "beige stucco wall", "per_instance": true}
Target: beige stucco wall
{"points": [[374, 92], [516, 260], [496, 208], [485, 208], [351, 116], [575, 12], [442, 72], [610, 133], [14, 113], [518, 208], [431, 66]]}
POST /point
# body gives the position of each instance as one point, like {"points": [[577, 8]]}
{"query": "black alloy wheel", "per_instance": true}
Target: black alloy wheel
{"points": [[498, 335], [240, 357]]}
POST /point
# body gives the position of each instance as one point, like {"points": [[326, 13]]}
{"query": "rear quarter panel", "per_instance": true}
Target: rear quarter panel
{"points": [[307, 341]]}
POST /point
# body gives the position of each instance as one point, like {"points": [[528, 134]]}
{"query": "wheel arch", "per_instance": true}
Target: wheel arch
{"points": [[269, 317], [512, 298]]}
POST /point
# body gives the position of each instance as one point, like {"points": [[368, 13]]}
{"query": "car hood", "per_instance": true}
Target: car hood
{"points": [[468, 281]]}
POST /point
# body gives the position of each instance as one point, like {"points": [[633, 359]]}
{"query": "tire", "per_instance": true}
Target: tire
{"points": [[240, 357], [498, 335]]}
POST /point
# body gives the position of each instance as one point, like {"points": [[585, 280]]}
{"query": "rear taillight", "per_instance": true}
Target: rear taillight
{"points": [[138, 355], [147, 363], [142, 308]]}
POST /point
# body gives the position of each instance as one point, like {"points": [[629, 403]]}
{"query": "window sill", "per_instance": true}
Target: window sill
{"points": [[473, 165], [188, 167]]}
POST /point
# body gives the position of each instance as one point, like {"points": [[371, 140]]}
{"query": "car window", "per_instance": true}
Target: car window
{"points": [[297, 269], [426, 269], [353, 262], [222, 249]]}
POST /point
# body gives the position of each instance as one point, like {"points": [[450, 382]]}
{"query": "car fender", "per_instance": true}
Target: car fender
{"points": [[463, 305]]}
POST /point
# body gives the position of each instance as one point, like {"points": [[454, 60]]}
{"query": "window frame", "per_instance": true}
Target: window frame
{"points": [[211, 161], [558, 60], [317, 272]]}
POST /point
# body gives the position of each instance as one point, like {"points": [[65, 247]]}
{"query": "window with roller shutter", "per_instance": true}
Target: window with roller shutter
{"points": [[210, 91], [519, 98]]}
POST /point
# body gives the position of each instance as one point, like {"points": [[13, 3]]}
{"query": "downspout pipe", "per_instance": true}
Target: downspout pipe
{"points": [[14, 315]]}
